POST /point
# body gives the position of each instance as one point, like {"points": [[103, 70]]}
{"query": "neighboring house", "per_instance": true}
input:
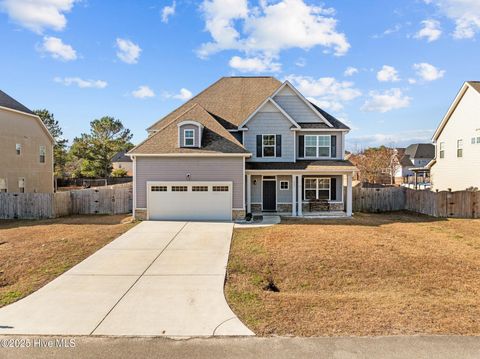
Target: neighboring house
{"points": [[26, 145], [243, 145], [417, 155], [120, 160], [456, 165]]}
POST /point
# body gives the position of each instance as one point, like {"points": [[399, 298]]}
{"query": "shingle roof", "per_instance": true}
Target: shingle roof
{"points": [[313, 165], [120, 157], [215, 138], [475, 85], [420, 150], [9, 102], [230, 100], [335, 123]]}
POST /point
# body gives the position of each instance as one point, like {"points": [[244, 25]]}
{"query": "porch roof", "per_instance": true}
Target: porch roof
{"points": [[302, 165]]}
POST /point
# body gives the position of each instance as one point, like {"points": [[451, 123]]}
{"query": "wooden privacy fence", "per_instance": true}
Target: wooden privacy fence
{"points": [[461, 204], [52, 205]]}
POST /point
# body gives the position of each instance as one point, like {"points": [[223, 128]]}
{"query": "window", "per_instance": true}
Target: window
{"points": [[317, 146], [18, 148], [317, 188], [3, 185], [21, 184], [189, 138], [268, 145], [159, 189], [43, 153], [284, 185], [442, 149], [459, 148], [179, 189], [473, 140], [200, 188], [478, 139], [220, 188]]}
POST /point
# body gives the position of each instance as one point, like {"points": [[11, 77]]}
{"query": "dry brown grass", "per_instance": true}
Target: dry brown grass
{"points": [[377, 274], [32, 253]]}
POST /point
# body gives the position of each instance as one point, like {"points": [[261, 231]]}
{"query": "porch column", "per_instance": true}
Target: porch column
{"points": [[299, 195], [349, 195], [249, 193], [294, 195]]}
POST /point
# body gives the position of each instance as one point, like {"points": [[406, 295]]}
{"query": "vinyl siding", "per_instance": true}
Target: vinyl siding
{"points": [[27, 131], [295, 106], [284, 196], [189, 127], [270, 123], [451, 171], [200, 169], [256, 189], [339, 153]]}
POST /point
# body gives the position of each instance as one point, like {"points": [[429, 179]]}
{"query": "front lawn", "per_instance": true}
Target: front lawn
{"points": [[32, 253], [376, 274]]}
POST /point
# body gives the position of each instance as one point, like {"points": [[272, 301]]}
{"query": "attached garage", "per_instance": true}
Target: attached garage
{"points": [[168, 200]]}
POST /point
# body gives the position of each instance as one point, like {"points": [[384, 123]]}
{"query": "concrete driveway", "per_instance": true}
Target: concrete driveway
{"points": [[159, 278]]}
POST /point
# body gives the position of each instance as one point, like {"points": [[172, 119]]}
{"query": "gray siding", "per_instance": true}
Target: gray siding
{"points": [[199, 168], [256, 189], [296, 108], [284, 196], [189, 127], [270, 123], [339, 153]]}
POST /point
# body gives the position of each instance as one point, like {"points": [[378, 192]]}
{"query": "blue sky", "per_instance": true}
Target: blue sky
{"points": [[389, 69]]}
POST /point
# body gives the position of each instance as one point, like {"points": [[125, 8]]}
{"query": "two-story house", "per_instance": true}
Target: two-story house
{"points": [[243, 145], [416, 155], [456, 165], [26, 164]]}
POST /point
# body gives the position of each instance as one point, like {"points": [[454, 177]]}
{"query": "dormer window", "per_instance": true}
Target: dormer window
{"points": [[189, 138], [190, 134]]}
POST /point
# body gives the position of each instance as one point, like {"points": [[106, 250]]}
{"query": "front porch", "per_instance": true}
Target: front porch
{"points": [[309, 194]]}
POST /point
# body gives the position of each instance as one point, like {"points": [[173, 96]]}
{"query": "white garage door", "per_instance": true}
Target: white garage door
{"points": [[189, 200]]}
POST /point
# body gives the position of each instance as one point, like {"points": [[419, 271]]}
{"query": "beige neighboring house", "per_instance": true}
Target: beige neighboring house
{"points": [[26, 164], [456, 165], [120, 160]]}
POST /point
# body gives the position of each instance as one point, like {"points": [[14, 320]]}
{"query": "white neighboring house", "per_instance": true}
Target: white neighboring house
{"points": [[414, 156], [456, 165]]}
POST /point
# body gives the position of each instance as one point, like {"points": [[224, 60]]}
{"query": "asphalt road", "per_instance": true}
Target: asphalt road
{"points": [[417, 347]]}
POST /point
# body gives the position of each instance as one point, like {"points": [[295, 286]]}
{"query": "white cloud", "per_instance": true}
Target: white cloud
{"points": [[301, 62], [398, 139], [350, 71], [430, 31], [128, 51], [388, 74], [254, 64], [389, 31], [412, 81], [184, 94], [428, 72], [38, 15], [57, 49], [168, 11], [325, 92], [465, 14], [67, 81], [269, 28], [143, 92], [386, 101]]}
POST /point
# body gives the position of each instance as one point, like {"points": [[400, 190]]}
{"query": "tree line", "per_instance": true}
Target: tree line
{"points": [[90, 154]]}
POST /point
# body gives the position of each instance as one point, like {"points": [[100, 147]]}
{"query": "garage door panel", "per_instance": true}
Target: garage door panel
{"points": [[189, 200]]}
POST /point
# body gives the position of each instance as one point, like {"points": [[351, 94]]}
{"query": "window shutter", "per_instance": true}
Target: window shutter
{"points": [[259, 145], [333, 189], [279, 145], [301, 148], [334, 146]]}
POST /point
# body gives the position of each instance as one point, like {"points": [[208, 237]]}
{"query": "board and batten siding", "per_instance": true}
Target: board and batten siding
{"points": [[464, 172], [199, 168], [270, 123], [295, 106]]}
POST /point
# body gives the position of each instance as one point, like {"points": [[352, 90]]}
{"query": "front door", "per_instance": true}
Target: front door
{"points": [[269, 195]]}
